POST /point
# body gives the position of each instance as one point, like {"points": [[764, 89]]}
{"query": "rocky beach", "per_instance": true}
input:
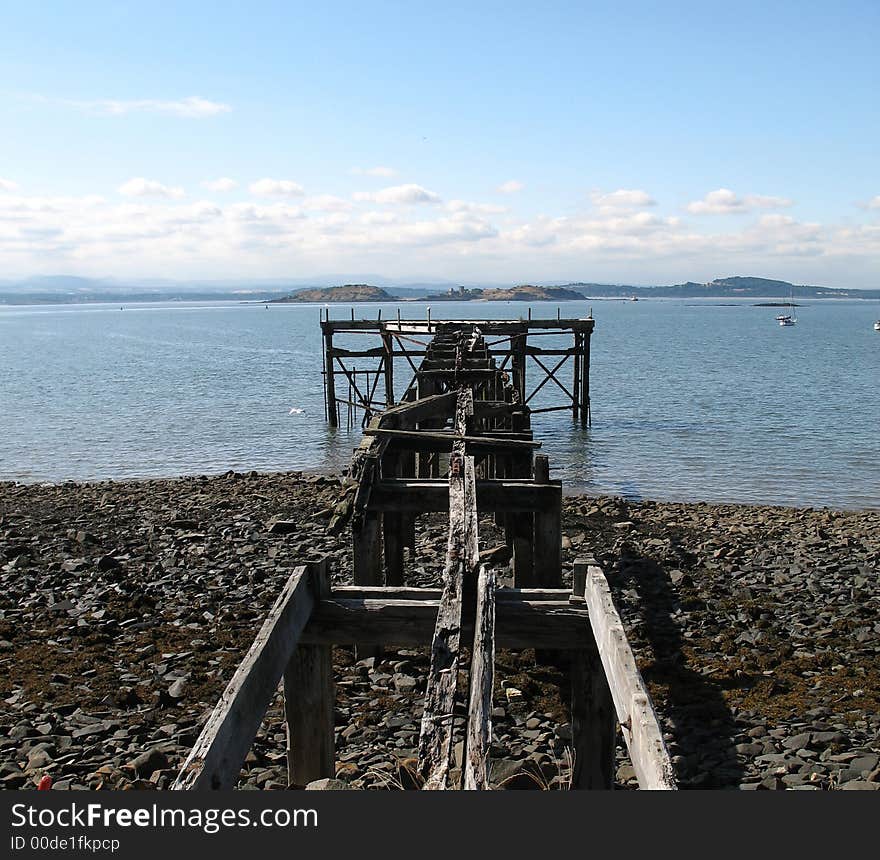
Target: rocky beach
{"points": [[125, 607]]}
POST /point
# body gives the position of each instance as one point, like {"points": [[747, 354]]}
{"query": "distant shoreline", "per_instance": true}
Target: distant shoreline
{"points": [[732, 301]]}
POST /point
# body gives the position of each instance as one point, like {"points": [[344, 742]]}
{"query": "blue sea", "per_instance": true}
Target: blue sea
{"points": [[691, 400]]}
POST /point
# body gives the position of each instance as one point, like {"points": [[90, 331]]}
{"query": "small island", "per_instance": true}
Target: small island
{"points": [[521, 293], [349, 293]]}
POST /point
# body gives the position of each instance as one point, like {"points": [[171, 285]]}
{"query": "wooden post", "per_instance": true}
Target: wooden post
{"points": [[593, 723], [309, 698], [367, 568], [518, 348], [330, 379], [548, 533], [586, 418], [388, 343], [519, 527], [576, 381]]}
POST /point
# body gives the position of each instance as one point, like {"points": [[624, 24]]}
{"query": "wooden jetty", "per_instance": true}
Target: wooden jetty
{"points": [[352, 377], [459, 441]]}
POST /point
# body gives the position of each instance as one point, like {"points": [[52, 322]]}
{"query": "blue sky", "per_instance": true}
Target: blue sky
{"points": [[637, 142]]}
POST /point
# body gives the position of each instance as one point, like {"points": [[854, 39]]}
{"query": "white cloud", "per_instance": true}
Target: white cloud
{"points": [[623, 198], [276, 188], [224, 183], [873, 203], [7, 184], [510, 187], [383, 172], [726, 202], [459, 206], [327, 203], [140, 187], [191, 107], [404, 195]]}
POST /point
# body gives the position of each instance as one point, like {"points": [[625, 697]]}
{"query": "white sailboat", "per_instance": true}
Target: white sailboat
{"points": [[789, 318]]}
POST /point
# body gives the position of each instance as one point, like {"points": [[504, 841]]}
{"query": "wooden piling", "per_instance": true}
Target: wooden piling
{"points": [[309, 698]]}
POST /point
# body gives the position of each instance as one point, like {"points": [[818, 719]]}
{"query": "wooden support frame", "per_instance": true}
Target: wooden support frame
{"points": [[307, 620], [400, 339]]}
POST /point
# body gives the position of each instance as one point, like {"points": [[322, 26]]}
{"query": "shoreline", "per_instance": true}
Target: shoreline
{"points": [[127, 606], [568, 492]]}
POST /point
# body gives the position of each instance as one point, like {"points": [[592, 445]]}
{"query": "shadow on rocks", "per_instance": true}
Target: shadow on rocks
{"points": [[704, 729]]}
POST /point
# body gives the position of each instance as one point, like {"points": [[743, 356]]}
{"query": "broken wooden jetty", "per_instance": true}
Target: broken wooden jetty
{"points": [[459, 441], [352, 376]]}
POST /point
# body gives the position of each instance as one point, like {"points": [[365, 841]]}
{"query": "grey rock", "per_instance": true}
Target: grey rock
{"points": [[327, 784], [149, 761]]}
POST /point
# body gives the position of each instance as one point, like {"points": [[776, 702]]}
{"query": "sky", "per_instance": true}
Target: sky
{"points": [[503, 142]]}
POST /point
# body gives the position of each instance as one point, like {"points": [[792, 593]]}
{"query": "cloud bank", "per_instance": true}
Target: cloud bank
{"points": [[154, 228]]}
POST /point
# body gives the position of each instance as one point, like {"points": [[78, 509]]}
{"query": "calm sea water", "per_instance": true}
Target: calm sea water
{"points": [[691, 400]]}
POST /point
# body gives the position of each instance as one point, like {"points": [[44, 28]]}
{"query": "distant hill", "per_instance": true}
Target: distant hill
{"points": [[734, 287], [350, 293], [68, 289]]}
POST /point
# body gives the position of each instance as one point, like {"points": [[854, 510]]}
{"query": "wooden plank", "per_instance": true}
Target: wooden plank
{"points": [[216, 759], [479, 729], [462, 557], [519, 623], [635, 713], [406, 592]]}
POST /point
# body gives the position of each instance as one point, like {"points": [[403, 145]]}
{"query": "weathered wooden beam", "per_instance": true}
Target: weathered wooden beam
{"points": [[462, 558], [375, 352], [479, 728], [635, 712], [426, 440], [487, 327], [556, 624], [217, 757], [550, 375], [410, 414], [309, 700], [426, 495], [407, 592]]}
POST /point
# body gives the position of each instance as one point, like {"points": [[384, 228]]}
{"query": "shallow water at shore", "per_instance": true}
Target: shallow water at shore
{"points": [[691, 401]]}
